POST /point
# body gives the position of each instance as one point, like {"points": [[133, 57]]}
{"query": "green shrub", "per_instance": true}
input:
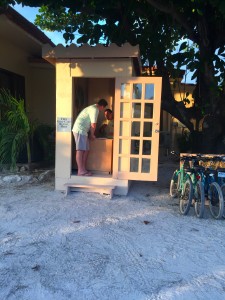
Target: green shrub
{"points": [[15, 129], [45, 134]]}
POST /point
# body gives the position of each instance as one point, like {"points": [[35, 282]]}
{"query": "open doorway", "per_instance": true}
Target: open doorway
{"points": [[87, 91]]}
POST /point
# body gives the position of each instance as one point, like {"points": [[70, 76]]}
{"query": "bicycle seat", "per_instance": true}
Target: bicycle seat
{"points": [[199, 168], [185, 158], [210, 171]]}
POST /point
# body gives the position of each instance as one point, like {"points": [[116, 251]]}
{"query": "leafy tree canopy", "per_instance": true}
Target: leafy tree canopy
{"points": [[157, 26]]}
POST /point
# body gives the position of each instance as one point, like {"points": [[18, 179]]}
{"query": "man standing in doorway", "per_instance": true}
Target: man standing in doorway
{"points": [[107, 127], [83, 130]]}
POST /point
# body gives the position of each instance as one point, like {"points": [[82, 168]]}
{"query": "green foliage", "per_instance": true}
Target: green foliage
{"points": [[158, 27], [15, 129], [45, 135], [112, 21]]}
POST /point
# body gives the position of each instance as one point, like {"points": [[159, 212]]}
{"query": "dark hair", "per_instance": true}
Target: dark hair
{"points": [[108, 110], [102, 102]]}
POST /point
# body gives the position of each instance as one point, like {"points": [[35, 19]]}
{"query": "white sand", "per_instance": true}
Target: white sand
{"points": [[86, 246]]}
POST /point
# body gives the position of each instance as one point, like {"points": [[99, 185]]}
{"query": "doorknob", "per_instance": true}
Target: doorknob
{"points": [[156, 131]]}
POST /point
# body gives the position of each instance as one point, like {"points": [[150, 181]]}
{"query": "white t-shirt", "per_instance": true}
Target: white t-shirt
{"points": [[85, 118]]}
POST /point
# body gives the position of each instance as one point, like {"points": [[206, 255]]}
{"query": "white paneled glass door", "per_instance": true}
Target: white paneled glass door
{"points": [[136, 128]]}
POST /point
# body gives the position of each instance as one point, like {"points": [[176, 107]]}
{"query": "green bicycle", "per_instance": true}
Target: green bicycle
{"points": [[181, 185]]}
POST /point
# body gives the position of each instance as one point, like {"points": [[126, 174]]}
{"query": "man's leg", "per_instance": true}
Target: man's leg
{"points": [[80, 162], [82, 142], [85, 156]]}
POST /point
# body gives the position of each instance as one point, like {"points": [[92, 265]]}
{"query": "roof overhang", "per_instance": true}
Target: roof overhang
{"points": [[60, 52], [20, 32]]}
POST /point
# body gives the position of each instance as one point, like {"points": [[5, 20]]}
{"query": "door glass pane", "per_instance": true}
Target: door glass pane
{"points": [[125, 110], [136, 110], [125, 91], [147, 129], [123, 164], [124, 146], [148, 110], [135, 146], [145, 168], [134, 164], [146, 149], [135, 128], [124, 128], [149, 91], [137, 90]]}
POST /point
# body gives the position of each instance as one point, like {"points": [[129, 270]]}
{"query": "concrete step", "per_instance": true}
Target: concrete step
{"points": [[101, 189]]}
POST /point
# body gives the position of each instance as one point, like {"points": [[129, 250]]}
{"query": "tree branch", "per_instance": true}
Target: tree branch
{"points": [[170, 10]]}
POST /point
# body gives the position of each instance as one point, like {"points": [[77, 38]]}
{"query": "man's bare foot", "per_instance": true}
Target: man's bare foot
{"points": [[85, 174]]}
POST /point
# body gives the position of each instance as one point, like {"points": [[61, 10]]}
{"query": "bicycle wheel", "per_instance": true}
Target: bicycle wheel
{"points": [[174, 184], [216, 204], [223, 193], [199, 194], [186, 197]]}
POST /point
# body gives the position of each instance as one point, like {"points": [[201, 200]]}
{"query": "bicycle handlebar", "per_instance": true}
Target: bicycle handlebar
{"points": [[198, 157]]}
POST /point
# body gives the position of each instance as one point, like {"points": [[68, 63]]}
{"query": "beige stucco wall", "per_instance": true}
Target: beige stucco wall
{"points": [[16, 50], [41, 93], [64, 96], [13, 59], [101, 67]]}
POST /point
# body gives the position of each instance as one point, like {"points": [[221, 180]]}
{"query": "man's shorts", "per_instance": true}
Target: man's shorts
{"points": [[82, 141]]}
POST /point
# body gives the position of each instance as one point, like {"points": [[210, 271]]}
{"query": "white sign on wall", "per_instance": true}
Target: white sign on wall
{"points": [[63, 124]]}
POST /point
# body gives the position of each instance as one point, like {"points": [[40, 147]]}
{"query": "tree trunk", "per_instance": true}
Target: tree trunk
{"points": [[208, 99], [28, 153], [169, 104]]}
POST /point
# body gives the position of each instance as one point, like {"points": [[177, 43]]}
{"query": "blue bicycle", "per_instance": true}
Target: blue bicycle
{"points": [[198, 190], [213, 190], [220, 178]]}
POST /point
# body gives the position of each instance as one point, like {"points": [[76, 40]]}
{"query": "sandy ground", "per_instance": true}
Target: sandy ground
{"points": [[86, 246]]}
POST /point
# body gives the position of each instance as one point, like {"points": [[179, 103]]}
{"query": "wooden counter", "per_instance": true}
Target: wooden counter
{"points": [[100, 155]]}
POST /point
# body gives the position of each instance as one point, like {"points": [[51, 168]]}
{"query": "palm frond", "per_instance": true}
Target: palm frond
{"points": [[7, 100], [5, 148], [15, 128], [18, 143]]}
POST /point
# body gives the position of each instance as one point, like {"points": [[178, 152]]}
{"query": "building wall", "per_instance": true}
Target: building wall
{"points": [[64, 98], [41, 91], [39, 78], [101, 67], [13, 60]]}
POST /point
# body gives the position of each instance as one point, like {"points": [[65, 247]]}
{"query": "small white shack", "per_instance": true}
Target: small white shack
{"points": [[83, 76]]}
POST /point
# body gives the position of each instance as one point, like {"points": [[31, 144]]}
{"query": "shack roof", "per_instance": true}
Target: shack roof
{"points": [[100, 51]]}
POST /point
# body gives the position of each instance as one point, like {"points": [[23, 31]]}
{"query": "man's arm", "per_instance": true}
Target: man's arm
{"points": [[92, 131]]}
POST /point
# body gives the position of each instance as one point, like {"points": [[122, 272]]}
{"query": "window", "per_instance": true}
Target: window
{"points": [[13, 82]]}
